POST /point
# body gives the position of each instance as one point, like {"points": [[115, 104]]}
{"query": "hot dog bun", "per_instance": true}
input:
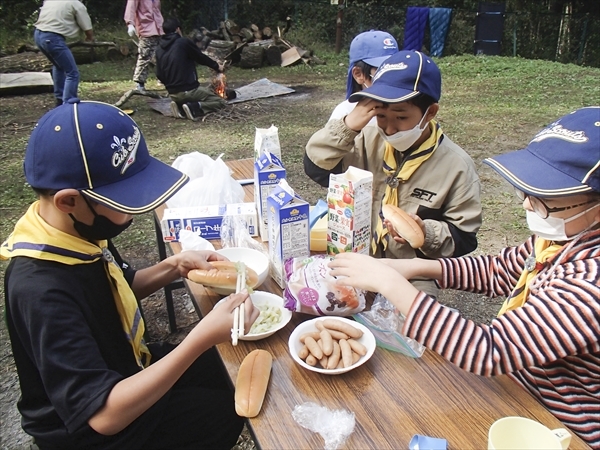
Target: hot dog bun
{"points": [[404, 225], [251, 383], [222, 275]]}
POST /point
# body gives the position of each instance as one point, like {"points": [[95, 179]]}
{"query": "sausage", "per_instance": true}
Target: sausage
{"points": [[313, 348], [346, 352], [357, 347], [326, 342], [335, 324]]}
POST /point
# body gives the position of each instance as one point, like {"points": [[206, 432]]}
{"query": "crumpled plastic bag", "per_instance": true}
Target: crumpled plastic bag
{"points": [[210, 182], [386, 323], [334, 426], [191, 241]]}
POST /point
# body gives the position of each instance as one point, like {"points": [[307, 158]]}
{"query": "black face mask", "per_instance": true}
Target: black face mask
{"points": [[102, 227]]}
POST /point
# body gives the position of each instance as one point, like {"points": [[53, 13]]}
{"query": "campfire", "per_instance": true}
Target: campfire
{"points": [[219, 86]]}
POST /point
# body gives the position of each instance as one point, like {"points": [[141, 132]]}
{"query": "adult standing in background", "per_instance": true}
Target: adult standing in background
{"points": [[59, 20], [143, 17]]}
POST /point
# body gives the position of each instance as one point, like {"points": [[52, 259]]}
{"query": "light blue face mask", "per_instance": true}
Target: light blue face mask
{"points": [[403, 140], [554, 228]]}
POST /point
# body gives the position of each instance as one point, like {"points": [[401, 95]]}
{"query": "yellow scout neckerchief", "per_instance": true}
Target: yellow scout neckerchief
{"points": [[543, 250], [399, 174], [34, 238]]}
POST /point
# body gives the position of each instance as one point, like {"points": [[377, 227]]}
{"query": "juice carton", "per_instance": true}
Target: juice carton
{"points": [[268, 170], [349, 199], [289, 235]]}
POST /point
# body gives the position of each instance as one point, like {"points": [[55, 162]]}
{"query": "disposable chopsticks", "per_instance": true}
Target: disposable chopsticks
{"points": [[239, 311]]}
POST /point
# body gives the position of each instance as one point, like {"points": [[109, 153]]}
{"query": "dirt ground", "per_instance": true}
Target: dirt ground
{"points": [[19, 116]]}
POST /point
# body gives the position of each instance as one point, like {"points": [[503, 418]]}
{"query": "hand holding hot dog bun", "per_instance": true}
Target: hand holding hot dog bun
{"points": [[222, 275], [404, 225]]}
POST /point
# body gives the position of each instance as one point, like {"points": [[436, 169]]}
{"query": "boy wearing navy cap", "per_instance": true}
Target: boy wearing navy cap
{"points": [[547, 334], [88, 379], [415, 165]]}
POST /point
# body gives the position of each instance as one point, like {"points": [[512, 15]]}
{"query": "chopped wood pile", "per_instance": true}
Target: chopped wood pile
{"points": [[251, 47]]}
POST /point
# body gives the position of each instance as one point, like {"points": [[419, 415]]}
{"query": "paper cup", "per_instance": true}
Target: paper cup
{"points": [[520, 433]]}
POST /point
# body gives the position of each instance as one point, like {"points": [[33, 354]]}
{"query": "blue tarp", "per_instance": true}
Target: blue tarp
{"points": [[439, 22], [414, 29]]}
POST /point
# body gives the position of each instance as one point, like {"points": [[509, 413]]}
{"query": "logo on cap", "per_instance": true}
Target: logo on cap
{"points": [[557, 131], [388, 67], [389, 43], [125, 150]]}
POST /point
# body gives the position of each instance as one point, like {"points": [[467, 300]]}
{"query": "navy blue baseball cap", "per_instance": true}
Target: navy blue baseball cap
{"points": [[402, 76], [563, 159], [99, 150], [373, 47]]}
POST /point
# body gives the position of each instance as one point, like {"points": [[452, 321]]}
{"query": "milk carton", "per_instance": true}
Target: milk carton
{"points": [[289, 235], [349, 199], [268, 170], [266, 140], [206, 221]]}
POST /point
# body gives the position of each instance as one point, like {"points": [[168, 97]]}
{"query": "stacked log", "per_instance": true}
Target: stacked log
{"points": [[249, 47]]}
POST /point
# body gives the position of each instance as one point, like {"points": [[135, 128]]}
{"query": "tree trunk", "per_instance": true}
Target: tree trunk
{"points": [[25, 62], [252, 57], [273, 55]]}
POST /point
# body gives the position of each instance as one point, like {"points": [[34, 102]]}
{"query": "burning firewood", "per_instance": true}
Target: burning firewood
{"points": [[219, 86]]}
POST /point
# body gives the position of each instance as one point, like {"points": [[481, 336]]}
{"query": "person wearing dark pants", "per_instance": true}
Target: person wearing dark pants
{"points": [[176, 59], [57, 21]]}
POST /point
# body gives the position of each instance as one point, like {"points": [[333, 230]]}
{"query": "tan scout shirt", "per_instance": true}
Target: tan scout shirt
{"points": [[446, 186], [64, 17]]}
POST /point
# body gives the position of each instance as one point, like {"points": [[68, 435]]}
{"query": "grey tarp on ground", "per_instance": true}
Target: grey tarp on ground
{"points": [[262, 88]]}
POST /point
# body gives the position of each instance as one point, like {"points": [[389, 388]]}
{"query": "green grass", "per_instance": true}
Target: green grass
{"points": [[489, 105]]}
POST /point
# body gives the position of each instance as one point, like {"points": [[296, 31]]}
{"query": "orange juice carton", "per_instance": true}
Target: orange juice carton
{"points": [[268, 170], [289, 235], [349, 199]]}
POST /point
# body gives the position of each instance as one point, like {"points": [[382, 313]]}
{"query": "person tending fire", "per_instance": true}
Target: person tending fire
{"points": [[176, 59]]}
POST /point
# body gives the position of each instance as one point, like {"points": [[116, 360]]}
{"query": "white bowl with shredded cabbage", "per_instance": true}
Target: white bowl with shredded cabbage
{"points": [[272, 318]]}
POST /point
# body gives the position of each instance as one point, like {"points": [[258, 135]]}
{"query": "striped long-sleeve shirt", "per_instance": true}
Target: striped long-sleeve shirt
{"points": [[550, 345]]}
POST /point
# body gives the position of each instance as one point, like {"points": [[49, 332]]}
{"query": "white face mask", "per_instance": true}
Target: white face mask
{"points": [[402, 140], [553, 228]]}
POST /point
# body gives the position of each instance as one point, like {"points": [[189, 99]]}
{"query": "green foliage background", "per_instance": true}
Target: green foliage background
{"points": [[556, 30]]}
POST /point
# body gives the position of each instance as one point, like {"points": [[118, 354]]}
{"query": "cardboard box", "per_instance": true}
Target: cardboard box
{"points": [[349, 199], [268, 170], [267, 140], [289, 234], [206, 221]]}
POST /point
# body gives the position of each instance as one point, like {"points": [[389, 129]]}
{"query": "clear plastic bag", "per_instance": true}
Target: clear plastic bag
{"points": [[333, 425], [386, 323], [234, 233], [210, 182]]}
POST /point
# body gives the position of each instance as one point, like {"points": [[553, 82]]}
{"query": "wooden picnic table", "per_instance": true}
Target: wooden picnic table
{"points": [[392, 396]]}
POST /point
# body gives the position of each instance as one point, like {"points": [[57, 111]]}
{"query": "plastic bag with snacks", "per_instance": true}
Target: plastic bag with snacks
{"points": [[312, 290]]}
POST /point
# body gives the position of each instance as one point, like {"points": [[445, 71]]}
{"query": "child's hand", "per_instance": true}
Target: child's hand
{"points": [[399, 239], [362, 113], [219, 322], [363, 272], [195, 259]]}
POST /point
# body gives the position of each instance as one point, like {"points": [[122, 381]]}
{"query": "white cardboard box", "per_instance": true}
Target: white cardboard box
{"points": [[206, 221], [268, 170], [289, 234]]}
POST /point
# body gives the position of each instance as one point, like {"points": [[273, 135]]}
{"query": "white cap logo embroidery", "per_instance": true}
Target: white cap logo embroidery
{"points": [[387, 67], [125, 150], [557, 131]]}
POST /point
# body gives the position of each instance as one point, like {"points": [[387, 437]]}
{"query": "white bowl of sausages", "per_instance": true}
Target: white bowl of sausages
{"points": [[341, 343]]}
